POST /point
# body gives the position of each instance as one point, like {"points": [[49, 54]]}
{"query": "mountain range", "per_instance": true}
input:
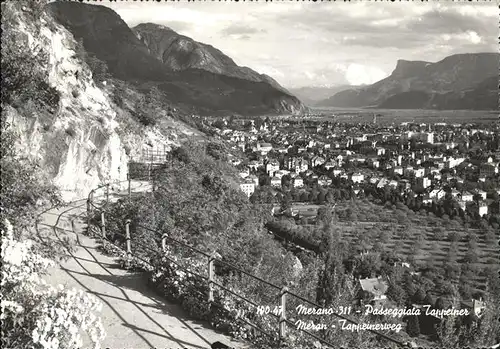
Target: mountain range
{"points": [[194, 75], [461, 81], [189, 73], [311, 95]]}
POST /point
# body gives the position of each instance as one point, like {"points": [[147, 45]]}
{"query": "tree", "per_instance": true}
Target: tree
{"points": [[396, 293], [99, 68], [413, 326], [217, 150], [439, 233], [429, 300], [453, 236], [419, 296]]}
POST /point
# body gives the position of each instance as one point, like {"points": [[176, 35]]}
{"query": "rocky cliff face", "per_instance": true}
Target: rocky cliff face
{"points": [[79, 143], [406, 68], [179, 52]]}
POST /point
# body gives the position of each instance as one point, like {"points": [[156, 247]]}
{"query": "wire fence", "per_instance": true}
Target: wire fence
{"points": [[97, 204]]}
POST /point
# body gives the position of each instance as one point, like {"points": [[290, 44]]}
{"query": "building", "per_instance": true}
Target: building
{"points": [[419, 172], [264, 148], [324, 181], [329, 165], [467, 197], [481, 193], [427, 137], [408, 171], [452, 162], [244, 173], [424, 182], [272, 167], [373, 162], [248, 187], [357, 177], [254, 165], [298, 182], [482, 208], [297, 164], [281, 173], [375, 287], [488, 170], [462, 204], [254, 179], [437, 193], [476, 306], [317, 161], [276, 182]]}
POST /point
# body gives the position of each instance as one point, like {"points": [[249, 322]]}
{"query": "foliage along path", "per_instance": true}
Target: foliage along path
{"points": [[132, 315]]}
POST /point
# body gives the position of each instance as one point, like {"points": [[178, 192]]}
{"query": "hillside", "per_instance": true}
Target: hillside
{"points": [[179, 52], [483, 96], [189, 73], [60, 117], [440, 85]]}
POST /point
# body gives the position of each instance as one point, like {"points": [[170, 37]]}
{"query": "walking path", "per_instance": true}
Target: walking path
{"points": [[132, 315]]}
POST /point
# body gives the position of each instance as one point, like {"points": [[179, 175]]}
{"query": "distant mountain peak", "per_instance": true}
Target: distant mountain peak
{"points": [[192, 75], [413, 84], [406, 68], [153, 26], [179, 52]]}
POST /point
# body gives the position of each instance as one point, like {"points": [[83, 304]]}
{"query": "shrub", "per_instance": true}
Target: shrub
{"points": [[36, 315], [149, 107], [23, 75], [23, 186]]}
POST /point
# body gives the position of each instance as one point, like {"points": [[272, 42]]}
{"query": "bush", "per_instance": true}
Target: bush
{"points": [[23, 186], [34, 314], [23, 76], [149, 107]]}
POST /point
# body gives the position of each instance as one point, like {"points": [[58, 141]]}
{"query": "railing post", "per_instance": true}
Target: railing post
{"points": [[282, 323], [129, 190], [127, 235], [153, 179], [88, 215], [164, 243], [107, 194], [211, 280], [89, 208], [103, 225], [91, 201]]}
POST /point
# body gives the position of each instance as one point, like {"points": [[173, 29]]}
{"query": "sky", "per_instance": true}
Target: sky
{"points": [[326, 43]]}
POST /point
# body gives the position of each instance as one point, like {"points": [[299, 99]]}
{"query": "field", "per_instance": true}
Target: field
{"points": [[413, 234], [389, 116]]}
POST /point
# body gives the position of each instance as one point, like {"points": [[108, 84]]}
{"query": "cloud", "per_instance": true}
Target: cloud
{"points": [[239, 29], [357, 74], [331, 42], [180, 27]]}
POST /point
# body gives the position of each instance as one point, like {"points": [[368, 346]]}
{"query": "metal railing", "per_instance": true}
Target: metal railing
{"points": [[211, 279], [154, 155]]}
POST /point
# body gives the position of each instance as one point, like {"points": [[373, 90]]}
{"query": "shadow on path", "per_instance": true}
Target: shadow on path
{"points": [[147, 321]]}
